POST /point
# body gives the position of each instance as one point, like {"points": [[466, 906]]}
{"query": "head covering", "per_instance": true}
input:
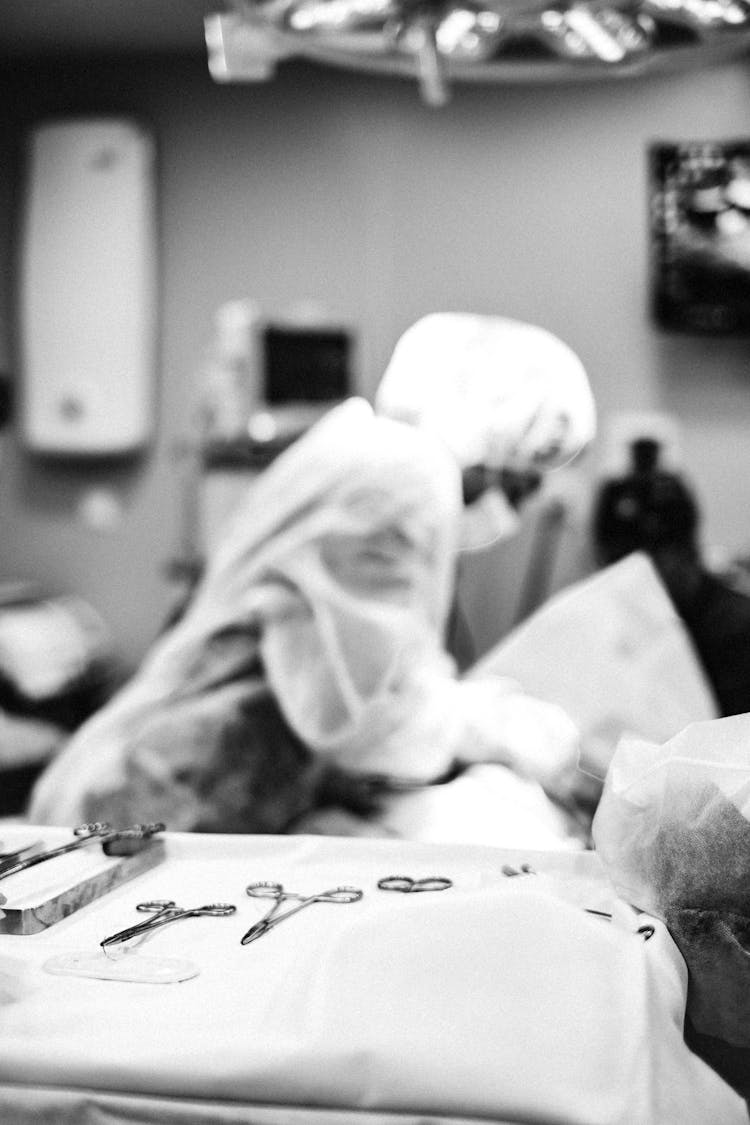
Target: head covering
{"points": [[353, 477], [497, 391], [332, 581]]}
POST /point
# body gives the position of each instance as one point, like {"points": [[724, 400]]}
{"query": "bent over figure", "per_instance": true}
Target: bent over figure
{"points": [[313, 645]]}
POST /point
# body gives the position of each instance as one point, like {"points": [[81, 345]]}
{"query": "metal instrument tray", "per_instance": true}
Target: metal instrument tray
{"points": [[43, 895]]}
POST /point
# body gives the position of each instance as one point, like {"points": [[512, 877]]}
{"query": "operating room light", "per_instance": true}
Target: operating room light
{"points": [[439, 42]]}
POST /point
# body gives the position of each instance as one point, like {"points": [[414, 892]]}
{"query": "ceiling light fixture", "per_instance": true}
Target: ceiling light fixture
{"points": [[439, 41]]}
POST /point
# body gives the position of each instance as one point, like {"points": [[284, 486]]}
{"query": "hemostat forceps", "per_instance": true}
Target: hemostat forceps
{"points": [[164, 911], [277, 892], [125, 841]]}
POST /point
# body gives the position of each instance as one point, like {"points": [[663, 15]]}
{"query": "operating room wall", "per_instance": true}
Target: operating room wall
{"points": [[347, 190]]}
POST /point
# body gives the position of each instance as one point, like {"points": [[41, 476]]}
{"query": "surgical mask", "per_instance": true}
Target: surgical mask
{"points": [[488, 520]]}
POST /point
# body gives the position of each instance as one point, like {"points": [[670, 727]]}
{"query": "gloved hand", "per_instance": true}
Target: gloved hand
{"points": [[535, 738]]}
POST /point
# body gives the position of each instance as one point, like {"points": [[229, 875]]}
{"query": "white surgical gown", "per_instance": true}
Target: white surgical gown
{"points": [[314, 638]]}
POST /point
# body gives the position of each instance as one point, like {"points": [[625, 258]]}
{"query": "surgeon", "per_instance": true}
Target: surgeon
{"points": [[310, 665]]}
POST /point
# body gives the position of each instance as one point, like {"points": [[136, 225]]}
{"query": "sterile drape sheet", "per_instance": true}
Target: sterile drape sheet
{"points": [[634, 672], [497, 1000]]}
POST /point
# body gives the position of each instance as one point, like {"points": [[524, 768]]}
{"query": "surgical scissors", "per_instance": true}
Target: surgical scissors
{"points": [[407, 885], [646, 931], [163, 911], [277, 892]]}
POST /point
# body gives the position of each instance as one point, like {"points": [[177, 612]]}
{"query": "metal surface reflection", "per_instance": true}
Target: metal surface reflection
{"points": [[439, 41]]}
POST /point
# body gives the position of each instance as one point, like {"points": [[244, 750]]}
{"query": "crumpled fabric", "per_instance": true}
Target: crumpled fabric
{"points": [[673, 831], [314, 639], [716, 949], [673, 823]]}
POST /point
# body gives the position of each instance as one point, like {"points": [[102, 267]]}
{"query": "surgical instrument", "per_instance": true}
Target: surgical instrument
{"points": [[646, 931], [7, 859], [164, 911], [125, 841], [277, 892], [526, 869], [407, 885]]}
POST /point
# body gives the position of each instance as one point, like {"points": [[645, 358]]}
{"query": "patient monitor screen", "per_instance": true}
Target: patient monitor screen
{"points": [[306, 365]]}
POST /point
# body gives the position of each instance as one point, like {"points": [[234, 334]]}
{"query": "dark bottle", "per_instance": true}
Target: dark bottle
{"points": [[647, 509]]}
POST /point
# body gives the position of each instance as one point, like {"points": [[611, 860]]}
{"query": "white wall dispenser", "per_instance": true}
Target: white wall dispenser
{"points": [[88, 290]]}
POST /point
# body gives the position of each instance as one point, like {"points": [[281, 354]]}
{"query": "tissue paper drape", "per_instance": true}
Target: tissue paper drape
{"points": [[672, 826], [673, 830]]}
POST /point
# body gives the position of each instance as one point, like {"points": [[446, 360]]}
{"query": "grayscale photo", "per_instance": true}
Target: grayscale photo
{"points": [[375, 562], [701, 236]]}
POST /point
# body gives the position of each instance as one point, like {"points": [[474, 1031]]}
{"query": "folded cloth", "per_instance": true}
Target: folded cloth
{"points": [[511, 1000]]}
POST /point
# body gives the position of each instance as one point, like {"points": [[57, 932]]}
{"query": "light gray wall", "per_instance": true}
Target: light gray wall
{"points": [[530, 202]]}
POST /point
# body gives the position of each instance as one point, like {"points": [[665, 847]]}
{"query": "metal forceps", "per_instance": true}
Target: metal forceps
{"points": [[163, 911], [124, 841], [407, 885], [277, 892]]}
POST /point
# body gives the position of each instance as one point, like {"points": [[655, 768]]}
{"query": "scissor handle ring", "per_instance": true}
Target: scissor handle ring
{"points": [[264, 889], [341, 894], [219, 909], [94, 828], [407, 885], [155, 904], [432, 883], [395, 883]]}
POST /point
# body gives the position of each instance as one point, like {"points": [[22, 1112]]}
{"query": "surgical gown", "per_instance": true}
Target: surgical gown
{"points": [[314, 640]]}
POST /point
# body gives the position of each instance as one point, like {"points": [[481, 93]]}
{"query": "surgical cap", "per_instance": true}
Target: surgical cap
{"points": [[498, 392]]}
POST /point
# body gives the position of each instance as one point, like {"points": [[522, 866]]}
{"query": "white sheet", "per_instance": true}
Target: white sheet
{"points": [[612, 651], [498, 999]]}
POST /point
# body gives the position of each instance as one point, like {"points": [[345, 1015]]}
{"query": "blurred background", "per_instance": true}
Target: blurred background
{"points": [[342, 198]]}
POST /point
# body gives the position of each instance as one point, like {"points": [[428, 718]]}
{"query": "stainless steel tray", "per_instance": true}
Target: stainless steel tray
{"points": [[43, 895]]}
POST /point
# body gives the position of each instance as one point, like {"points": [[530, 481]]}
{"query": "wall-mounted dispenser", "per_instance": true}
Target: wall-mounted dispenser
{"points": [[88, 289]]}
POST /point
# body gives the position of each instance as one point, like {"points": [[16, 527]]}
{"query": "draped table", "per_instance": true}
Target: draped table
{"points": [[497, 1000]]}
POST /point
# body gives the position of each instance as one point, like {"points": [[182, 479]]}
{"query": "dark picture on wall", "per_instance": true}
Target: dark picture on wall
{"points": [[700, 236]]}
